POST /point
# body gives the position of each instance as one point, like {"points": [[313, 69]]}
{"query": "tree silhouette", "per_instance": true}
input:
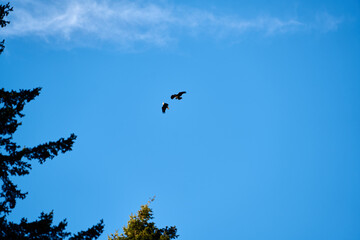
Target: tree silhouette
{"points": [[4, 11], [16, 161], [139, 227], [42, 230]]}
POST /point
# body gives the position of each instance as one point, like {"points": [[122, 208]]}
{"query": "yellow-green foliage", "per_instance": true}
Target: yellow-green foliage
{"points": [[139, 227]]}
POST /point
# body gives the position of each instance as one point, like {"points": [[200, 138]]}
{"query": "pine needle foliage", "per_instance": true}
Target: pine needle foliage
{"points": [[140, 227], [4, 12], [17, 161]]}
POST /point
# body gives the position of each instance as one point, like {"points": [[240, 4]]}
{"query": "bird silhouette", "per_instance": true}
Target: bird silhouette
{"points": [[164, 107], [177, 96]]}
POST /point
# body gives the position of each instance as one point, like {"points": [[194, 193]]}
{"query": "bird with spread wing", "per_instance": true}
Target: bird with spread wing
{"points": [[177, 96]]}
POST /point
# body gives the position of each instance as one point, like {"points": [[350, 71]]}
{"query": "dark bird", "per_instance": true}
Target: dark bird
{"points": [[164, 107], [177, 96]]}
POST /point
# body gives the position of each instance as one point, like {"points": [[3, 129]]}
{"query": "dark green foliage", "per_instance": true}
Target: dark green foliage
{"points": [[42, 229], [16, 161], [139, 227], [4, 11], [2, 46], [90, 233]]}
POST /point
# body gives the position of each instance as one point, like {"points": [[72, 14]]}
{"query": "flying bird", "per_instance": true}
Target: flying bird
{"points": [[177, 96], [164, 107]]}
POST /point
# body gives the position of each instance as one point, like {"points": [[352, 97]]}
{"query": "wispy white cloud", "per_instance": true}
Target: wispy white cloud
{"points": [[327, 22], [127, 22]]}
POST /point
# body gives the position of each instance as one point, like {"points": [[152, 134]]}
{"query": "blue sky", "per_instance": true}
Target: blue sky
{"points": [[264, 145]]}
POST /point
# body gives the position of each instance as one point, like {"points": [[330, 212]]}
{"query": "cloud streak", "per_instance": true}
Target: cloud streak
{"points": [[126, 22]]}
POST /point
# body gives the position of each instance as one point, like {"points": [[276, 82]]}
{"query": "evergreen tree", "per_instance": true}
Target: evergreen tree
{"points": [[140, 227], [4, 11], [16, 161]]}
